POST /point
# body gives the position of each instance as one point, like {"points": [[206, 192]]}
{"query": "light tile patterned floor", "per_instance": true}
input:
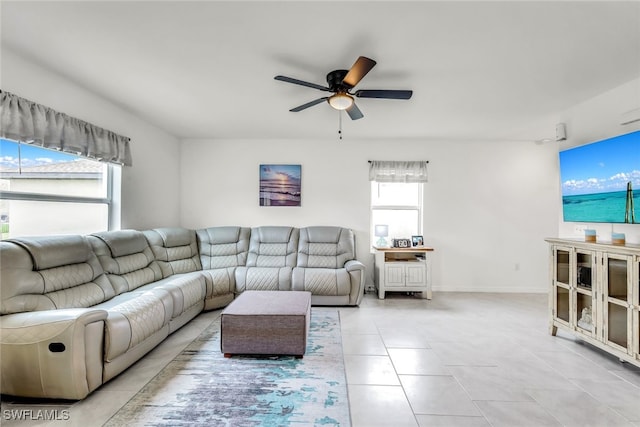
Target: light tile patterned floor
{"points": [[460, 359], [478, 359]]}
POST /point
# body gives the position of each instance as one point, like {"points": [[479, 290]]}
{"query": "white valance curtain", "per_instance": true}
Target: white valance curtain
{"points": [[396, 171], [31, 123]]}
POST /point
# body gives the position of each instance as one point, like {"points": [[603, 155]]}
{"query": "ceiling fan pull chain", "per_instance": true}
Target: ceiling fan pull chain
{"points": [[340, 124]]}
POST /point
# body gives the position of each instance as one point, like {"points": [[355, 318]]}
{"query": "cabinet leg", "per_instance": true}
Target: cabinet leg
{"points": [[553, 329], [380, 294]]}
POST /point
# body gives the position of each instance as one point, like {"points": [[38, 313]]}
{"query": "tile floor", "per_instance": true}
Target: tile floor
{"points": [[461, 359]]}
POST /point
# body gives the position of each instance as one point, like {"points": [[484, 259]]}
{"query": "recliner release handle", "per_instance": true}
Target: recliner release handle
{"points": [[57, 347]]}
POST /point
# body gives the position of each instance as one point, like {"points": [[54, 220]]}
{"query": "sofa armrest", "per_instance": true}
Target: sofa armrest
{"points": [[354, 265], [356, 270], [52, 353]]}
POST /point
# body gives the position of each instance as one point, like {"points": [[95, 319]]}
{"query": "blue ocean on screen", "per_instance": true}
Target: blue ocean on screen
{"points": [[599, 207], [601, 180]]}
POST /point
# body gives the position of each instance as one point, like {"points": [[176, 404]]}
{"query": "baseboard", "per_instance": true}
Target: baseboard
{"points": [[527, 290]]}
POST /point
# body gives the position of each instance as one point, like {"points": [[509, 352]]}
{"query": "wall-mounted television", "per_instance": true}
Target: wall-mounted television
{"points": [[601, 181]]}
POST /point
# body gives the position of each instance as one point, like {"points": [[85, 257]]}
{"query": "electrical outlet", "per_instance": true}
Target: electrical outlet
{"points": [[579, 229]]}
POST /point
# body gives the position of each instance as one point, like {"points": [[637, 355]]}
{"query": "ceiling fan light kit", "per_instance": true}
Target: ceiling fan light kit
{"points": [[341, 101], [340, 82]]}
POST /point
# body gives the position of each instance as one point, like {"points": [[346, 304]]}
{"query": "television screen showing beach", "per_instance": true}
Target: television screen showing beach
{"points": [[601, 181], [280, 185]]}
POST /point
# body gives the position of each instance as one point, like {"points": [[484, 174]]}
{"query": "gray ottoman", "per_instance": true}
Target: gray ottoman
{"points": [[266, 322]]}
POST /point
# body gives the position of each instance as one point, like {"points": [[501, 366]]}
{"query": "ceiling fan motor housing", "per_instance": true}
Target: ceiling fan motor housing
{"points": [[334, 81]]}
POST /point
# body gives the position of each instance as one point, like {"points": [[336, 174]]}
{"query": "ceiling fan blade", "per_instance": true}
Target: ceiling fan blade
{"points": [[354, 112], [301, 83], [359, 69], [309, 104], [388, 94]]}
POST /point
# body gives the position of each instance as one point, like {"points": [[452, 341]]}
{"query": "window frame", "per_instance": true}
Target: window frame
{"points": [[419, 208], [112, 199]]}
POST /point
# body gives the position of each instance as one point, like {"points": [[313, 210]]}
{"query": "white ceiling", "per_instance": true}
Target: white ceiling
{"points": [[205, 68]]}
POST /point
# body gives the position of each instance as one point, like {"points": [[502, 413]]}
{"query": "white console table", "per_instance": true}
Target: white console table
{"points": [[403, 270]]}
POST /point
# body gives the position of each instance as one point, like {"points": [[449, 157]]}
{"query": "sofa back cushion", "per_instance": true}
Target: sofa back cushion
{"points": [[126, 258], [223, 247], [273, 247], [325, 247], [175, 249], [53, 272]]}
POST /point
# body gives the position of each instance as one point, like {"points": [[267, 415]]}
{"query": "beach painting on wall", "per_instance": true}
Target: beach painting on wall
{"points": [[280, 185]]}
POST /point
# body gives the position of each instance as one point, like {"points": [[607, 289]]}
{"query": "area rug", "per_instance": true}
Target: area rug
{"points": [[202, 387]]}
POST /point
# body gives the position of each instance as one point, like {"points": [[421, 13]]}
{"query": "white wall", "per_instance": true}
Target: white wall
{"points": [[594, 120], [150, 189], [488, 205]]}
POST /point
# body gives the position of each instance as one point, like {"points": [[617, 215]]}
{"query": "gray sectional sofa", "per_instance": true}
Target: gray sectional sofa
{"points": [[77, 310]]}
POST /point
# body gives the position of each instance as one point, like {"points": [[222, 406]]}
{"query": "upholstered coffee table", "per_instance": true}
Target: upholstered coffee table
{"points": [[266, 322]]}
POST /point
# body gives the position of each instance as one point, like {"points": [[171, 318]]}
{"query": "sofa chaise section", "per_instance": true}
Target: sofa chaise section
{"points": [[270, 261], [326, 266], [222, 250]]}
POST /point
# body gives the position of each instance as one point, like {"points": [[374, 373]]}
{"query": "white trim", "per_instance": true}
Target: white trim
{"points": [[494, 289]]}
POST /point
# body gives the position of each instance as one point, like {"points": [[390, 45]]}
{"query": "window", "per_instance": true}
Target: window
{"points": [[45, 191], [397, 205]]}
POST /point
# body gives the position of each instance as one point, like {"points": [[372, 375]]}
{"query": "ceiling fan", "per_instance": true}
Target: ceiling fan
{"points": [[341, 82]]}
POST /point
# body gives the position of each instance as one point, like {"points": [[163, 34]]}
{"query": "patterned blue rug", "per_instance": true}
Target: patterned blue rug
{"points": [[202, 387]]}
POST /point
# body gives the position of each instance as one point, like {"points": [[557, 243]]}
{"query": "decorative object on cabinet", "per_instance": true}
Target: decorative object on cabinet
{"points": [[417, 241], [595, 294], [401, 243], [590, 236], [618, 239], [381, 231], [403, 270]]}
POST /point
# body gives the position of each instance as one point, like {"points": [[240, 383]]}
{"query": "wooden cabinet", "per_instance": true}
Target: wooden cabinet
{"points": [[594, 294], [403, 270]]}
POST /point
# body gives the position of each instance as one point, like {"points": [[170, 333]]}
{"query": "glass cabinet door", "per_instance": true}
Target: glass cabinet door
{"points": [[585, 294], [561, 284], [618, 312]]}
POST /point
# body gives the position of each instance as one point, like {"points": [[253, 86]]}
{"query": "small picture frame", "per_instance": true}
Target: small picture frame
{"points": [[417, 241]]}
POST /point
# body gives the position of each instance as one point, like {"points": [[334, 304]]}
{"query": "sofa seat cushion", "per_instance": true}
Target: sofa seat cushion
{"points": [[186, 290], [220, 281], [134, 317], [322, 281], [263, 279]]}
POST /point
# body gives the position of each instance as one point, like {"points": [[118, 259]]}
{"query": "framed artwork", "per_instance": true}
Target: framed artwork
{"points": [[417, 241], [280, 185]]}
